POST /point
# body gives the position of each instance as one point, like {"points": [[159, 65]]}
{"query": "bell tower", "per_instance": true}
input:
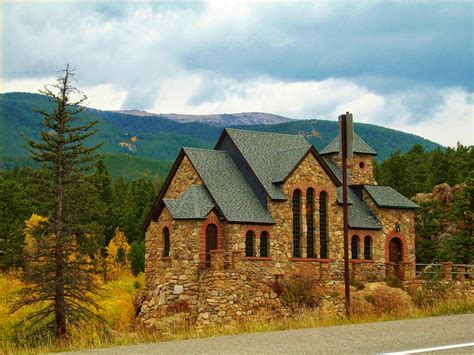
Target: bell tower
{"points": [[360, 166]]}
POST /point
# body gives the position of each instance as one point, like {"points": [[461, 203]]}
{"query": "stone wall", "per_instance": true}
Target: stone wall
{"points": [[173, 279], [360, 166], [236, 286], [391, 219], [185, 177]]}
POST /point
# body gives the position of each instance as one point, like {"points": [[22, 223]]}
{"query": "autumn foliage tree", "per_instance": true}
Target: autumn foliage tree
{"points": [[118, 262], [59, 272]]}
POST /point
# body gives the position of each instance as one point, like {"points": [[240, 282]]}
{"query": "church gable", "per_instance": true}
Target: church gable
{"points": [[185, 177], [309, 172]]}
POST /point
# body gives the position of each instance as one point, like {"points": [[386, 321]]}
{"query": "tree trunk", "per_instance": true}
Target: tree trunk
{"points": [[60, 309], [60, 306]]}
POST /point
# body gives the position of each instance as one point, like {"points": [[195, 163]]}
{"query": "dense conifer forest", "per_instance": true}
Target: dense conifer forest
{"points": [[135, 145], [128, 176]]}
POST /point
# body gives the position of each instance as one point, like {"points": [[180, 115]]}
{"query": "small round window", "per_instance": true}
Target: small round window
{"points": [[361, 165]]}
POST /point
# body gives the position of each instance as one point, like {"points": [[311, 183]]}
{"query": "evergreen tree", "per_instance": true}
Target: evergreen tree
{"points": [[62, 283], [137, 256]]}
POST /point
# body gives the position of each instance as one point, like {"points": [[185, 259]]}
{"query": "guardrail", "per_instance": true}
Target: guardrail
{"points": [[446, 270]]}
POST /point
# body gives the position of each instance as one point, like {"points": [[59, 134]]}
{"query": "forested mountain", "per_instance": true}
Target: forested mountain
{"points": [[136, 144]]}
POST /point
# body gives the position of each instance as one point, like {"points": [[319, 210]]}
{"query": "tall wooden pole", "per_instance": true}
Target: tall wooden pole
{"points": [[345, 214]]}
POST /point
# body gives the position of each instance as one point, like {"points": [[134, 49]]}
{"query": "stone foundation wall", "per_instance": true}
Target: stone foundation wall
{"points": [[232, 295]]}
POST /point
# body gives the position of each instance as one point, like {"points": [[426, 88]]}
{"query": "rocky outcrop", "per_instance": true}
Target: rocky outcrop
{"points": [[441, 192]]}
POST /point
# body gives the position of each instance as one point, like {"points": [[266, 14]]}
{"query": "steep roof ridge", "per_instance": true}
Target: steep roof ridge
{"points": [[263, 164], [227, 186], [360, 146], [286, 160], [194, 203]]}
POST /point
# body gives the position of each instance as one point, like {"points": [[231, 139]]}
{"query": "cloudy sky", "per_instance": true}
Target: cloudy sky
{"points": [[408, 66]]}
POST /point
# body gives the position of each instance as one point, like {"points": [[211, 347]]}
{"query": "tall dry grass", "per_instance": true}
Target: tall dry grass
{"points": [[373, 303]]}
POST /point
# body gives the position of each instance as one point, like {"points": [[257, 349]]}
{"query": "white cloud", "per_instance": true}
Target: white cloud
{"points": [[449, 122], [106, 97], [300, 60], [452, 121], [24, 85]]}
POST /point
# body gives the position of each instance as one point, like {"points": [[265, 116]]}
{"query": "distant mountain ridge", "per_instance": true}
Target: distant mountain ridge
{"points": [[223, 119], [131, 142]]}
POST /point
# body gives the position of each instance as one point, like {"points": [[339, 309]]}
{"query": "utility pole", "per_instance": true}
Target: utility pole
{"points": [[346, 128]]}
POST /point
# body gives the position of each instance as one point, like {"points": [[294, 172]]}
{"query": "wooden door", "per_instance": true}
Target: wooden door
{"points": [[396, 256], [395, 250], [211, 242]]}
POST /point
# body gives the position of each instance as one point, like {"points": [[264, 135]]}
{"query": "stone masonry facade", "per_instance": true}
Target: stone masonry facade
{"points": [[232, 285]]}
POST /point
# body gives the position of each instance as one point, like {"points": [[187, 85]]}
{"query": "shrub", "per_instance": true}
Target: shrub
{"points": [[302, 290], [433, 289], [393, 281], [278, 287], [390, 300], [358, 284]]}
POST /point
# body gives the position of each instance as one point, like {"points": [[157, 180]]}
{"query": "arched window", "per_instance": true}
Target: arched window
{"points": [[166, 241], [355, 247], [250, 244], [296, 223], [264, 245], [368, 248], [211, 242], [310, 223], [323, 224]]}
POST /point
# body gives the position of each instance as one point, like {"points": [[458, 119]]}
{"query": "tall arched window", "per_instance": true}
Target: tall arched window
{"points": [[211, 242], [368, 247], [323, 224], [296, 223], [166, 241], [355, 247], [310, 223], [250, 244], [264, 245]]}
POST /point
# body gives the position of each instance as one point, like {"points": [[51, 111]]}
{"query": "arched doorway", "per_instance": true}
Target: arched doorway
{"points": [[395, 250], [211, 242]]}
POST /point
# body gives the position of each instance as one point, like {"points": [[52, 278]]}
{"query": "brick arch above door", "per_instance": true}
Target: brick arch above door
{"points": [[401, 237]]}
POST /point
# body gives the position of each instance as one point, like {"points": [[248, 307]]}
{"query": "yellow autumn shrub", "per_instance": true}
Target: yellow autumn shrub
{"points": [[117, 260]]}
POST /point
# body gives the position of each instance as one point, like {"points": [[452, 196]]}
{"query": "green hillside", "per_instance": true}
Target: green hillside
{"points": [[135, 145]]}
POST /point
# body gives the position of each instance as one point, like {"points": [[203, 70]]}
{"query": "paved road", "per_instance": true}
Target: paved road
{"points": [[382, 337]]}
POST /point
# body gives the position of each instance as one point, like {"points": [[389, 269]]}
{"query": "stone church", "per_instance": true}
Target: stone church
{"points": [[260, 207]]}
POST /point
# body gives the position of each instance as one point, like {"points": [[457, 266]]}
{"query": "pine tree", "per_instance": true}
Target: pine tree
{"points": [[62, 284]]}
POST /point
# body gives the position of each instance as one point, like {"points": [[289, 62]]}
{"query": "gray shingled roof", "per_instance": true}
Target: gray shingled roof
{"points": [[271, 156], [385, 196], [360, 214], [194, 203], [227, 186], [339, 195], [334, 168], [285, 161], [360, 146]]}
